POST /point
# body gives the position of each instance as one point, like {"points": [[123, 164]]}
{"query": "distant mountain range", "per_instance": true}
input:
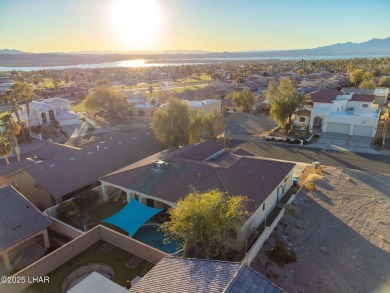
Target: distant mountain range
{"points": [[14, 58]]}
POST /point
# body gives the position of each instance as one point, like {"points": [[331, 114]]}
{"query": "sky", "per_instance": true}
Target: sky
{"points": [[211, 25]]}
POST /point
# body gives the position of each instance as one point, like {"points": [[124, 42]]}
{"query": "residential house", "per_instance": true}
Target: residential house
{"points": [[22, 226], [205, 106], [338, 112], [48, 181], [137, 107], [182, 275], [162, 179], [43, 112], [381, 93], [302, 118]]}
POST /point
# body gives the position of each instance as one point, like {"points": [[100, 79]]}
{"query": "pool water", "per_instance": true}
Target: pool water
{"points": [[149, 235]]}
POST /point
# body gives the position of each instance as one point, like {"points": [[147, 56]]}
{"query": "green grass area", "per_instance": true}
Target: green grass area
{"points": [[104, 211], [79, 107], [115, 258], [48, 83], [191, 88]]}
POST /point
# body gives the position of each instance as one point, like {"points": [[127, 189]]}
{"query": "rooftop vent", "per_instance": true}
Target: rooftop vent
{"points": [[119, 142], [90, 153], [72, 158], [199, 176], [52, 165], [159, 165]]}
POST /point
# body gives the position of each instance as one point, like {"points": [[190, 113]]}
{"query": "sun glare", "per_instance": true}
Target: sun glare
{"points": [[136, 23]]}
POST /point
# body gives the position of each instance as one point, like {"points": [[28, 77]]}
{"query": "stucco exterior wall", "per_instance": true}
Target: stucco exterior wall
{"points": [[30, 188]]}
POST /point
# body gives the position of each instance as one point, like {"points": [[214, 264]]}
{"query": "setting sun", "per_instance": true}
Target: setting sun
{"points": [[136, 22]]}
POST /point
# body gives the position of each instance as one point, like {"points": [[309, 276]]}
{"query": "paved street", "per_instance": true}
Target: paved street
{"points": [[351, 160]]}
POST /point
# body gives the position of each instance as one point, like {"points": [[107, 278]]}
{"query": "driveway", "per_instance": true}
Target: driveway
{"points": [[337, 141], [245, 125]]}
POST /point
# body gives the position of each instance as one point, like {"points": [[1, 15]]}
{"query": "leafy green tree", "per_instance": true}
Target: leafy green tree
{"points": [[244, 99], [11, 129], [5, 147], [368, 76], [356, 76], [205, 221], [67, 211], [214, 124], [170, 124], [196, 126], [367, 84], [108, 99], [384, 82], [284, 101]]}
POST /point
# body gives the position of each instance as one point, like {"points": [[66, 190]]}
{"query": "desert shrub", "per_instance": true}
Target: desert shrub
{"points": [[67, 211], [281, 255], [85, 197], [267, 139], [63, 132], [305, 142], [288, 139], [310, 186], [378, 141], [316, 136], [273, 139], [55, 123]]}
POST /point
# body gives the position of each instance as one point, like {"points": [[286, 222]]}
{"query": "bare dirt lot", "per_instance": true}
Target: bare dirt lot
{"points": [[340, 232], [249, 124]]}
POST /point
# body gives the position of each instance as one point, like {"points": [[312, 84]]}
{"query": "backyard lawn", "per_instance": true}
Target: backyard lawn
{"points": [[116, 258], [103, 212]]}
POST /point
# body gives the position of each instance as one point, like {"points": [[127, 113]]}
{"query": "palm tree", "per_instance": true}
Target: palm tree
{"points": [[11, 129], [26, 96], [5, 147]]}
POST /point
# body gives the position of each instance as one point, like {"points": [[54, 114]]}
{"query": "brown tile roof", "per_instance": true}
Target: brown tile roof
{"points": [[362, 98], [183, 275], [241, 152], [324, 96], [234, 174], [200, 151], [19, 218], [303, 112], [69, 172]]}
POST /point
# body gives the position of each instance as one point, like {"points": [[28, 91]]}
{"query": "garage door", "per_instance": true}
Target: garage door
{"points": [[362, 130], [338, 127]]}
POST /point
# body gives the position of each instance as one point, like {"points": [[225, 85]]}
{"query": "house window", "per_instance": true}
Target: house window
{"points": [[302, 119], [263, 206], [365, 105], [44, 117], [141, 113], [51, 115]]}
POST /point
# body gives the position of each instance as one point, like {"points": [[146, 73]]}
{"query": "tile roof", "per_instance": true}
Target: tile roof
{"points": [[303, 112], [176, 275], [199, 151], [237, 175], [19, 218], [182, 275], [69, 172], [241, 152], [248, 280], [324, 96], [362, 98]]}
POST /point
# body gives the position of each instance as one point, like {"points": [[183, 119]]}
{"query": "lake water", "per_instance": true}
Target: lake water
{"points": [[179, 62]]}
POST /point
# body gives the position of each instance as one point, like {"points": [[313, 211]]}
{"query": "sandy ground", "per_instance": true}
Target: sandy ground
{"points": [[340, 233]]}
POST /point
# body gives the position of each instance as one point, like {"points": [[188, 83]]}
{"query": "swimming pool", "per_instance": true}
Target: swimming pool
{"points": [[150, 235]]}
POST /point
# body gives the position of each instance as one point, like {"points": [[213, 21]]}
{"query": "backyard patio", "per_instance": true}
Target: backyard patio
{"points": [[125, 266]]}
